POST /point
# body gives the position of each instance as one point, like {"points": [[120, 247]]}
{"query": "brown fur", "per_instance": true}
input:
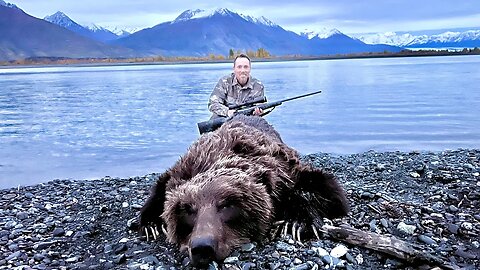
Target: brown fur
{"points": [[230, 187]]}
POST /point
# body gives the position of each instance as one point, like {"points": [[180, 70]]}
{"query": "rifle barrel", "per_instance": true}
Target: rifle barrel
{"points": [[301, 96]]}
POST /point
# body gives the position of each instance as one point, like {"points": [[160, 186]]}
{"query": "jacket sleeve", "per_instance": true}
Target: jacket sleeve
{"points": [[218, 99]]}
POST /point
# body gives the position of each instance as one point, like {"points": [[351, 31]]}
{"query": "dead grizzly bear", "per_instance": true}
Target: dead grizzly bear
{"points": [[231, 187]]}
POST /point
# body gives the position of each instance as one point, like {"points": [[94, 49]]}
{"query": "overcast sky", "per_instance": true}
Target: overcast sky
{"points": [[348, 16]]}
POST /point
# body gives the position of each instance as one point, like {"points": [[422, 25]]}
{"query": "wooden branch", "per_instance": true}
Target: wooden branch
{"points": [[386, 244]]}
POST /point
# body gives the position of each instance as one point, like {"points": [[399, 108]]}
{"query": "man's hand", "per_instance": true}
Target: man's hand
{"points": [[231, 113], [258, 112]]}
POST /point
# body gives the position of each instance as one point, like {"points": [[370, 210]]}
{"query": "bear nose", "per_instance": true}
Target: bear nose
{"points": [[202, 250]]}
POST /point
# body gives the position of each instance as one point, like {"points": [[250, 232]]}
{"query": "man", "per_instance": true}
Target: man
{"points": [[235, 89]]}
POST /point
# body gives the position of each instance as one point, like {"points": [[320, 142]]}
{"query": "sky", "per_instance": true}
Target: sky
{"points": [[348, 16]]}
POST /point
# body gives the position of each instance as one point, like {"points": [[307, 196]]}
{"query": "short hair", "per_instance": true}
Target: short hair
{"points": [[242, 55]]}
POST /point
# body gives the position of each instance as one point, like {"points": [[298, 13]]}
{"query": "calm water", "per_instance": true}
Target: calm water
{"points": [[121, 121]]}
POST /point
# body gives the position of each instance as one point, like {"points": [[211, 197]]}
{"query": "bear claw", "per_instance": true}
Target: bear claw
{"points": [[153, 232], [315, 232], [295, 231]]}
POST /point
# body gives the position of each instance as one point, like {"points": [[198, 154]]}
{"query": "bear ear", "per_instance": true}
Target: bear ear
{"points": [[153, 207], [329, 198]]}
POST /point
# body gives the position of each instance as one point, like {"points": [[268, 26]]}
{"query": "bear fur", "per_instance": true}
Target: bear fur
{"points": [[231, 187]]}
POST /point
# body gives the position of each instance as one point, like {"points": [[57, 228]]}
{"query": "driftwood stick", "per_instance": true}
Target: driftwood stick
{"points": [[385, 244]]}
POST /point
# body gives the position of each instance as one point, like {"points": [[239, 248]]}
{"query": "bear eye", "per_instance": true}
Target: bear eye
{"points": [[186, 209], [228, 203], [229, 210]]}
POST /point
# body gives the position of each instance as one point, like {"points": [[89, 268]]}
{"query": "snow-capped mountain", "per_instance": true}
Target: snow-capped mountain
{"points": [[321, 33], [122, 32], [9, 5], [217, 31], [59, 18], [91, 31], [390, 38], [470, 38], [24, 36], [206, 13]]}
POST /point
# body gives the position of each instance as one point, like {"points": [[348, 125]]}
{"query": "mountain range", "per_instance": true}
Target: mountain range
{"points": [[446, 39], [93, 32], [203, 32], [192, 33]]}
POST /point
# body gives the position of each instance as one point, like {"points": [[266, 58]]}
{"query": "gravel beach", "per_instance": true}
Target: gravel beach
{"points": [[428, 199]]}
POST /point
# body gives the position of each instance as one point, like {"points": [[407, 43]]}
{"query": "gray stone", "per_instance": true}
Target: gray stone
{"points": [[58, 232], [427, 240]]}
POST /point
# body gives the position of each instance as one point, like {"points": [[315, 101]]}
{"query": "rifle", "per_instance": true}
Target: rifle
{"points": [[213, 124], [248, 104]]}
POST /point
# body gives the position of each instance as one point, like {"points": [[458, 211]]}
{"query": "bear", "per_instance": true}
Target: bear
{"points": [[232, 186]]}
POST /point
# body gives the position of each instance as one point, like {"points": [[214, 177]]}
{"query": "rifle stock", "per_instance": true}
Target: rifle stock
{"points": [[211, 125], [215, 123]]}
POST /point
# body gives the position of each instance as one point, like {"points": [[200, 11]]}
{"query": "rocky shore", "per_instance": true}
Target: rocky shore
{"points": [[428, 199]]}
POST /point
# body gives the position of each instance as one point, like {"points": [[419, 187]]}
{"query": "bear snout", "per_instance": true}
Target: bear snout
{"points": [[202, 251]]}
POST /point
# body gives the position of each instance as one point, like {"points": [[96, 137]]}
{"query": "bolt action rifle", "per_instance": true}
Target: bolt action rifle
{"points": [[246, 109]]}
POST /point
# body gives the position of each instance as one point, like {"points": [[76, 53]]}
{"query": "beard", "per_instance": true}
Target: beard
{"points": [[242, 79]]}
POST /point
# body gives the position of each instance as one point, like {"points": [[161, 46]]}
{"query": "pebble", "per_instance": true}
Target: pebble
{"points": [[248, 247], [405, 228], [231, 260], [427, 240], [467, 226], [58, 232], [465, 254], [339, 251], [452, 228], [384, 222], [414, 175], [320, 251]]}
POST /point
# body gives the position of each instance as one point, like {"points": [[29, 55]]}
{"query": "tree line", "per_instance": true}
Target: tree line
{"points": [[260, 53]]}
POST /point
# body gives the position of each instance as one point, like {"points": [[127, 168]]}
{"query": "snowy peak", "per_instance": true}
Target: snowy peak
{"points": [[95, 28], [261, 20], [187, 15], [122, 32], [323, 33], [390, 38], [5, 4], [456, 36], [201, 13], [59, 18], [91, 31], [407, 39]]}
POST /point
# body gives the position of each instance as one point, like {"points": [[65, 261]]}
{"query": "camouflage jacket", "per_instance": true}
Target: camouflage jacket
{"points": [[229, 92]]}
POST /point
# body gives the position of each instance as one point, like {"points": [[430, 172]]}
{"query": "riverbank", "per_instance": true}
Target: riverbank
{"points": [[430, 199]]}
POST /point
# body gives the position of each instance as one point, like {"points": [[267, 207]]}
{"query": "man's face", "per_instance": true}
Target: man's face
{"points": [[242, 70]]}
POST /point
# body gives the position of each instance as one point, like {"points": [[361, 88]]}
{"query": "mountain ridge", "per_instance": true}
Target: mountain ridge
{"points": [[203, 32], [39, 38], [445, 39], [92, 31]]}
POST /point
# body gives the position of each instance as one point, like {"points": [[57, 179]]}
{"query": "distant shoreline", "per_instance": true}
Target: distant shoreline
{"points": [[60, 61]]}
